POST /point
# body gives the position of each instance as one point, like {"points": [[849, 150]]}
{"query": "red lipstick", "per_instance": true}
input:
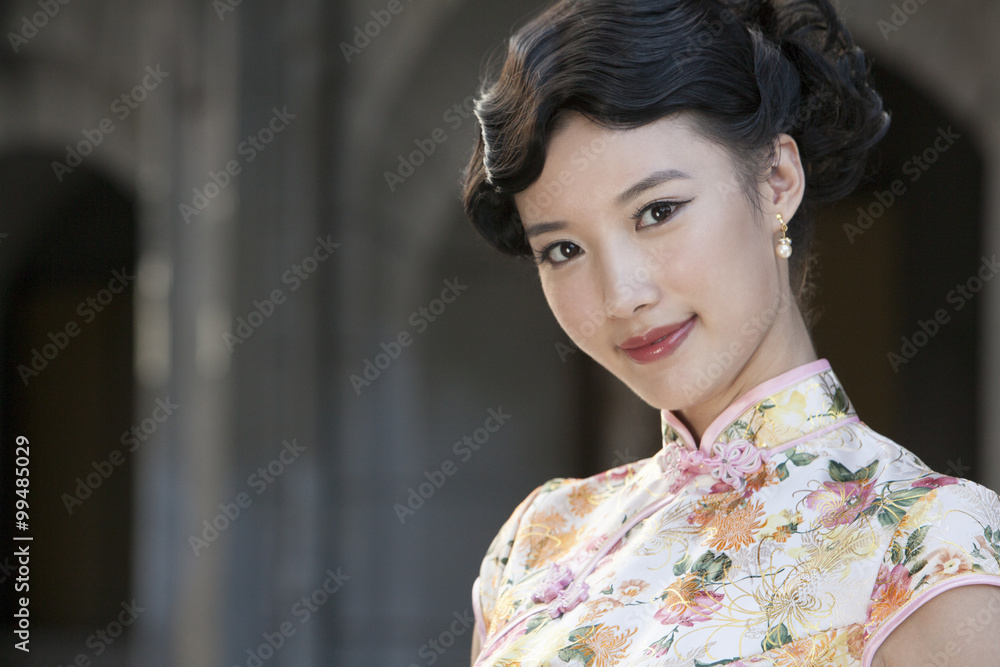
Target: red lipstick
{"points": [[657, 343]]}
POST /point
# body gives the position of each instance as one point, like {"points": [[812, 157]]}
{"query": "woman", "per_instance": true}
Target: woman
{"points": [[659, 160]]}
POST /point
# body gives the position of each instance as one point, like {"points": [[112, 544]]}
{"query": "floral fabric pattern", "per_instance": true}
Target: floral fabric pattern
{"points": [[794, 535]]}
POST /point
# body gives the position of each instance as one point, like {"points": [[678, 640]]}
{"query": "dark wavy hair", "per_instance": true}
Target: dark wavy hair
{"points": [[746, 70]]}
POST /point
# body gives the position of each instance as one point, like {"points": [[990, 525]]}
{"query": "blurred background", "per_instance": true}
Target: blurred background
{"points": [[255, 346]]}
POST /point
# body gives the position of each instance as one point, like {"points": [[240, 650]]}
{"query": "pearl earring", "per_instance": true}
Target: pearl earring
{"points": [[784, 249]]}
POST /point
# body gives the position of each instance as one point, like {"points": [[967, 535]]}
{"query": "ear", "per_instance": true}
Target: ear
{"points": [[785, 186]]}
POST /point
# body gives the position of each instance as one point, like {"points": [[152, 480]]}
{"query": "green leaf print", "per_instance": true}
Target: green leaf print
{"points": [[888, 518], [711, 567], [782, 471], [914, 545], [840, 473], [778, 636], [584, 654], [682, 566], [578, 650], [840, 403], [919, 565], [992, 536], [894, 506], [581, 633], [535, 623], [801, 458]]}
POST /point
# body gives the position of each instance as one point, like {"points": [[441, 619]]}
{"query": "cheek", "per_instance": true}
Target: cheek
{"points": [[575, 307], [724, 270]]}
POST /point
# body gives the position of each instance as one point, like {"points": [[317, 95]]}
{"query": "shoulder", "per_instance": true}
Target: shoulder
{"points": [[550, 518], [564, 501], [960, 626], [940, 569]]}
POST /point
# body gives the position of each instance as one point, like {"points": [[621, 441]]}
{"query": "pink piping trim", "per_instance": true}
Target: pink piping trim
{"points": [[478, 612], [880, 635], [744, 402]]}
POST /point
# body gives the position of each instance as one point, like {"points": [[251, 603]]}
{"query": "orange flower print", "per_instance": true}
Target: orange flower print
{"points": [[608, 647], [737, 528], [779, 527], [632, 588], [812, 651], [582, 500], [945, 562], [598, 608], [706, 510], [546, 547], [892, 590], [551, 520], [546, 538], [856, 641], [766, 476]]}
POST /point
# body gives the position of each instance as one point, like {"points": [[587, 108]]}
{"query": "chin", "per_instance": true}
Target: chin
{"points": [[680, 386]]}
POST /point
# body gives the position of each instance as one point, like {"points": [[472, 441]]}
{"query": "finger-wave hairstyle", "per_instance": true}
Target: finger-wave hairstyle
{"points": [[746, 70]]}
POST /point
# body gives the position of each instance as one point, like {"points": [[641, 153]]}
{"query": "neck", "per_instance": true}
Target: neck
{"points": [[786, 346]]}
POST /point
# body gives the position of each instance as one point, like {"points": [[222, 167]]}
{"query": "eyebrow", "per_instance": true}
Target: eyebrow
{"points": [[544, 228], [649, 182]]}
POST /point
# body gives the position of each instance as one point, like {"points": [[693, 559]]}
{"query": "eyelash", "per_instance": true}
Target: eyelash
{"points": [[663, 202], [543, 257]]}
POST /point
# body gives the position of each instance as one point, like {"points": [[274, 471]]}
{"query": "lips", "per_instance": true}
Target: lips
{"points": [[657, 343]]}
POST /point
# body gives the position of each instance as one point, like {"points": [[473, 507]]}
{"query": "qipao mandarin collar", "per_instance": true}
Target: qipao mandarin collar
{"points": [[775, 415]]}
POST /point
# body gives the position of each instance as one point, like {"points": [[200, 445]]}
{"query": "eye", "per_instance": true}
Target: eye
{"points": [[559, 253], [656, 213]]}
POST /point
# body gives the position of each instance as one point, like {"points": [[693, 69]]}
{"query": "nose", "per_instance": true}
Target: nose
{"points": [[629, 282]]}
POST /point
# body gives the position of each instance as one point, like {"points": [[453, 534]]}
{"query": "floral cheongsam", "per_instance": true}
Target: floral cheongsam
{"points": [[794, 535]]}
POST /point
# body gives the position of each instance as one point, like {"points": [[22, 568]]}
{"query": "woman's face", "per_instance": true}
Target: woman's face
{"points": [[656, 264]]}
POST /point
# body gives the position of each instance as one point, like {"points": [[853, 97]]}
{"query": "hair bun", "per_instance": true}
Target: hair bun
{"points": [[839, 116]]}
